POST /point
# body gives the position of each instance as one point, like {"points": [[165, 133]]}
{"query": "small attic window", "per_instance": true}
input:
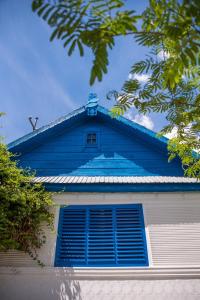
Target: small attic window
{"points": [[91, 139]]}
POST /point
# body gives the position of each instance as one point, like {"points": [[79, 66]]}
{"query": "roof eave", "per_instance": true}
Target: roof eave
{"points": [[44, 129]]}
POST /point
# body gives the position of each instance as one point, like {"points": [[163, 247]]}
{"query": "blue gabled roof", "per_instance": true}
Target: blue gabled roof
{"points": [[45, 130], [36, 137], [137, 127]]}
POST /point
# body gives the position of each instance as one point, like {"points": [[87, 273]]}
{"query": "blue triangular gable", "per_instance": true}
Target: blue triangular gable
{"points": [[123, 148], [36, 137]]}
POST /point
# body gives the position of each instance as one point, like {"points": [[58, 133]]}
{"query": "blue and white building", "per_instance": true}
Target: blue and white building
{"points": [[127, 222]]}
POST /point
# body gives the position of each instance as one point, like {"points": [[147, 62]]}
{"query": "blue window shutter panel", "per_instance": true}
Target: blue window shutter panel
{"points": [[71, 241], [101, 236]]}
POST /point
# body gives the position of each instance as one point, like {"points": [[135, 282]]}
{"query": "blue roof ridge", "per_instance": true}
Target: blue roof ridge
{"points": [[78, 111]]}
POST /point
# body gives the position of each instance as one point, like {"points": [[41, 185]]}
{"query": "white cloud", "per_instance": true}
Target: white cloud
{"points": [[143, 120], [163, 55], [172, 134], [140, 77]]}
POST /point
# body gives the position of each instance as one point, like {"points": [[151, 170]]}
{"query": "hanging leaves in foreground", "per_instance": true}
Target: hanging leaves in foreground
{"points": [[93, 24], [169, 76]]}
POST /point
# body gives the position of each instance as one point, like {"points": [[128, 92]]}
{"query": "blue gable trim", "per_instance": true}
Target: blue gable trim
{"points": [[115, 188], [35, 138], [136, 129], [132, 125]]}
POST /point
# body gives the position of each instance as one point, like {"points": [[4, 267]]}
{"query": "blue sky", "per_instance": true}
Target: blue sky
{"points": [[37, 78]]}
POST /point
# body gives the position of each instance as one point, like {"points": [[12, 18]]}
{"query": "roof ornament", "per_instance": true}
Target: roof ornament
{"points": [[92, 104], [33, 124]]}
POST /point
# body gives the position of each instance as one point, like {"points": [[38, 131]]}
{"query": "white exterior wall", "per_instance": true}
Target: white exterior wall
{"points": [[60, 287], [172, 222]]}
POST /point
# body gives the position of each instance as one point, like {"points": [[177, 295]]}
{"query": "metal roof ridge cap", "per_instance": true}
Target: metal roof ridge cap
{"points": [[114, 179]]}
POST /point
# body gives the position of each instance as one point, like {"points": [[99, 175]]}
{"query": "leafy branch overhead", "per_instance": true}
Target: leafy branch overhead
{"points": [[93, 24], [170, 31]]}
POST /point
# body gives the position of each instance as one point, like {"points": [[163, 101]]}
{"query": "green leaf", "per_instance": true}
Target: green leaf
{"points": [[92, 76], [42, 9], [48, 11], [69, 40], [36, 4], [81, 51], [53, 35], [131, 86], [71, 49]]}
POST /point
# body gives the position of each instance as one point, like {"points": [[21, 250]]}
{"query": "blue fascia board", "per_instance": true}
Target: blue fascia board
{"points": [[34, 138], [116, 188], [138, 129], [37, 135]]}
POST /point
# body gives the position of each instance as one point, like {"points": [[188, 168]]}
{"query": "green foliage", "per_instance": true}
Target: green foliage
{"points": [[182, 146], [170, 29], [24, 206], [87, 23]]}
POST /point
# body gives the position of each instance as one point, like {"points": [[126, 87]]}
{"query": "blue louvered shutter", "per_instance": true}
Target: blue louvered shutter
{"points": [[101, 235]]}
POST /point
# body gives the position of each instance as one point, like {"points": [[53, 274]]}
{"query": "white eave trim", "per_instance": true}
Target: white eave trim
{"points": [[113, 179], [107, 273]]}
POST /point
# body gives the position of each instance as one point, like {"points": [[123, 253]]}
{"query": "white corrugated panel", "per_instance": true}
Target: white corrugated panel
{"points": [[179, 245], [13, 258], [174, 231]]}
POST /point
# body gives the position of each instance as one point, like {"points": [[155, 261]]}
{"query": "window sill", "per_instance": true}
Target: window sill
{"points": [[107, 273]]}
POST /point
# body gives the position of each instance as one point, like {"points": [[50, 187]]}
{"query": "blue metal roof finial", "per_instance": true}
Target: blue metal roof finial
{"points": [[92, 104]]}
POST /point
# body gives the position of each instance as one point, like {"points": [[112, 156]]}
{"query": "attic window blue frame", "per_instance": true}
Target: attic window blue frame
{"points": [[91, 139], [101, 236]]}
